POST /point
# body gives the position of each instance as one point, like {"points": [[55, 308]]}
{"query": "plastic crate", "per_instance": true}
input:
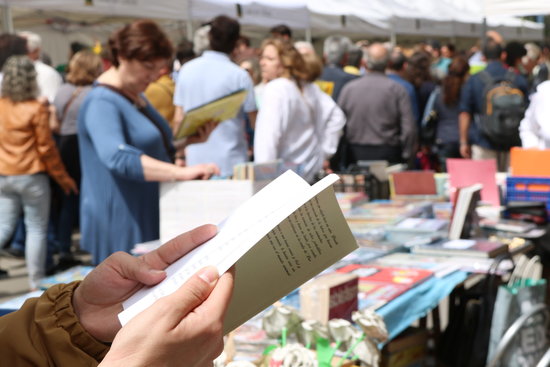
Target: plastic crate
{"points": [[528, 189]]}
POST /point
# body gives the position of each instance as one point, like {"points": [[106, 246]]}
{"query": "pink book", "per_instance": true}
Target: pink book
{"points": [[466, 172]]}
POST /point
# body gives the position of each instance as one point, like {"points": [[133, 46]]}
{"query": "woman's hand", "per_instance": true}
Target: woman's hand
{"points": [[98, 299], [183, 328], [69, 186], [197, 172]]}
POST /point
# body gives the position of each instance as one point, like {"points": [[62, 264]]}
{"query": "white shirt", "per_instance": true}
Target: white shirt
{"points": [[534, 129], [300, 127], [48, 80]]}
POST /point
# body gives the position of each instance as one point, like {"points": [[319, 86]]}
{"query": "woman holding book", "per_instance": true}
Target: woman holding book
{"points": [[126, 146], [296, 123]]}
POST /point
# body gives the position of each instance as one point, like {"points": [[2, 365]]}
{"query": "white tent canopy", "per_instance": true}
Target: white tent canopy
{"points": [[379, 18]]}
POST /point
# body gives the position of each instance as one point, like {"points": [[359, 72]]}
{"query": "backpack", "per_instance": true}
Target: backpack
{"points": [[503, 109]]}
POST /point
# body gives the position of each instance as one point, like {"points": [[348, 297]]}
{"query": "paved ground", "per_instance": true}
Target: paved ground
{"points": [[18, 283]]}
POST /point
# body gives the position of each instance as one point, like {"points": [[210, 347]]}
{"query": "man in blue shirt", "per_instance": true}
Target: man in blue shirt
{"points": [[335, 53], [207, 78], [396, 71], [473, 144]]}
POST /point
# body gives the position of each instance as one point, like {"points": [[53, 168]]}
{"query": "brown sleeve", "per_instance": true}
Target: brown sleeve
{"points": [[46, 332], [46, 147]]}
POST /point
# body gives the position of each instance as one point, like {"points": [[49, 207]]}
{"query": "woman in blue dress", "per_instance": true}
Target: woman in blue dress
{"points": [[126, 146]]}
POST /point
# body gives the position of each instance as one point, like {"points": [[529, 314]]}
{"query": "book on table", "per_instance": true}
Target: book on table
{"points": [[278, 239], [464, 247], [380, 284], [464, 216], [221, 109]]}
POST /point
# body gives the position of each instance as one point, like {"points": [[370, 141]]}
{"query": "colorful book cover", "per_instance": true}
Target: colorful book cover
{"points": [[380, 284]]}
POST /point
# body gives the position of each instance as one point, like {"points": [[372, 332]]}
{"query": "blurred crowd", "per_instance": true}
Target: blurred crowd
{"points": [[84, 146]]}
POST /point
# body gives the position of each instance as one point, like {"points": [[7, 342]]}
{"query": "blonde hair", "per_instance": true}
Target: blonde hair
{"points": [[314, 66], [84, 68], [19, 79], [292, 62]]}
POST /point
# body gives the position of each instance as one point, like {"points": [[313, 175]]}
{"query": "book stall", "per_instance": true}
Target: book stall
{"points": [[346, 272]]}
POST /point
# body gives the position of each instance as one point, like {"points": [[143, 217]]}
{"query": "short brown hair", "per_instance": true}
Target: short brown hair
{"points": [[142, 40], [224, 33], [293, 63], [84, 68], [19, 79]]}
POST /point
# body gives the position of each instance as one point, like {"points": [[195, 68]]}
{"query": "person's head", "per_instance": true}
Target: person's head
{"points": [[335, 50], [184, 51], [76, 47], [139, 51], [448, 50], [34, 44], [314, 66], [514, 53], [11, 44], [418, 68], [397, 61], [304, 47], [434, 48], [452, 83], [252, 66], [19, 80], [355, 55], [280, 59], [224, 33], [492, 50], [377, 57], [281, 31], [84, 68]]}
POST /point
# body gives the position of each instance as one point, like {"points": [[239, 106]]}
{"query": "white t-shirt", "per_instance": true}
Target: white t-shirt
{"points": [[48, 80], [534, 129], [300, 127]]}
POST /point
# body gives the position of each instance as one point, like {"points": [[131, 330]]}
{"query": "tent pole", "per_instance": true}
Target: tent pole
{"points": [[484, 31], [393, 33], [188, 23], [7, 21], [308, 34]]}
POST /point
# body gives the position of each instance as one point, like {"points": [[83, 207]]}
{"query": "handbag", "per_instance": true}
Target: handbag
{"points": [[428, 127], [519, 297]]}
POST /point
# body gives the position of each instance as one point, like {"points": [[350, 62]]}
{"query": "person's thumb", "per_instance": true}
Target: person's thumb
{"points": [[190, 295]]}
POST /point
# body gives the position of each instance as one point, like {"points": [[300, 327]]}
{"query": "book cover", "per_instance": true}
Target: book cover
{"points": [[470, 248], [464, 216], [413, 183], [278, 239], [380, 284], [466, 172], [218, 110]]}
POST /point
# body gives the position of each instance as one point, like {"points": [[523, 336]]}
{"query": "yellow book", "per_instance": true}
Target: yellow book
{"points": [[221, 109]]}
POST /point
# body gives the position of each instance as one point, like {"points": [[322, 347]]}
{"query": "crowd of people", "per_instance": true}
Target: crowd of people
{"points": [[104, 130]]}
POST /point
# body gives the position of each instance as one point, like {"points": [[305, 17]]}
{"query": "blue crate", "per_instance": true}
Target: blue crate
{"points": [[521, 189]]}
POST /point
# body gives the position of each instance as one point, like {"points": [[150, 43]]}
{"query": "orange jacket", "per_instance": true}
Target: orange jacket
{"points": [[26, 144], [45, 332]]}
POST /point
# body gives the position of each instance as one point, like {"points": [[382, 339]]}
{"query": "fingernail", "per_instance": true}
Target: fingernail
{"points": [[209, 274], [155, 271]]}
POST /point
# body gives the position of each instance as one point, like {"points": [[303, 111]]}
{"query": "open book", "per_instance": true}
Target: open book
{"points": [[221, 109], [464, 213], [278, 239]]}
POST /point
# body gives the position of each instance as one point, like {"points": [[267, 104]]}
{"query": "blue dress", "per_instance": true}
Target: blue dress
{"points": [[118, 208]]}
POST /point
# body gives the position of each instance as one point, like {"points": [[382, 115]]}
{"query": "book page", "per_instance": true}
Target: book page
{"points": [[311, 239], [240, 232]]}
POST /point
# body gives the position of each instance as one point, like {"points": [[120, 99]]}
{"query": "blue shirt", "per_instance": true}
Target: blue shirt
{"points": [[471, 99], [335, 74], [410, 91], [118, 207], [206, 79]]}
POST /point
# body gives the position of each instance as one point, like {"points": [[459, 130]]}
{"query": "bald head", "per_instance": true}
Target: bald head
{"points": [[377, 57]]}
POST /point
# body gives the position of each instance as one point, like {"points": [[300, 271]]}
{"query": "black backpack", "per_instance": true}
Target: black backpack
{"points": [[503, 109]]}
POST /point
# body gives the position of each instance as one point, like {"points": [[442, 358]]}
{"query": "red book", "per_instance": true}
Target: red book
{"points": [[380, 284]]}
